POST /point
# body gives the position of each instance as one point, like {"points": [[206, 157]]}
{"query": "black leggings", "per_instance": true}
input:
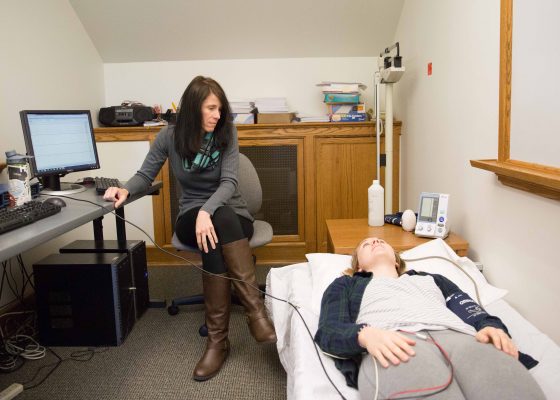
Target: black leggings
{"points": [[229, 227]]}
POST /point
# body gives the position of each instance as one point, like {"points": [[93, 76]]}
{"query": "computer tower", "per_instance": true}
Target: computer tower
{"points": [[84, 299], [136, 250]]}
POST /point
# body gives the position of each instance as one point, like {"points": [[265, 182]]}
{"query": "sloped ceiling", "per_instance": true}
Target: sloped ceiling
{"points": [[171, 30]]}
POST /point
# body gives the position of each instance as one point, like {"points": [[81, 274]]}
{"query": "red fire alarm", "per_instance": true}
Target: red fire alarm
{"points": [[429, 69]]}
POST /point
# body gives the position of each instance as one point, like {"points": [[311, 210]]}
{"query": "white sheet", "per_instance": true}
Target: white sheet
{"points": [[306, 378]]}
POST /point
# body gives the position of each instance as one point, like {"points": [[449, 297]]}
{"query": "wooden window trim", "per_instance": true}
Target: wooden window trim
{"points": [[539, 179]]}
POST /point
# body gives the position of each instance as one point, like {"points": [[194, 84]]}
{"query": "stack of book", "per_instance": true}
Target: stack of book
{"points": [[343, 101], [243, 111]]}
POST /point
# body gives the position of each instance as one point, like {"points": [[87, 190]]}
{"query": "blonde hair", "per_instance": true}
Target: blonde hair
{"points": [[400, 264]]}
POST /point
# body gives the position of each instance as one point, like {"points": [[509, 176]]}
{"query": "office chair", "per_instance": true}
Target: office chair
{"points": [[250, 188]]}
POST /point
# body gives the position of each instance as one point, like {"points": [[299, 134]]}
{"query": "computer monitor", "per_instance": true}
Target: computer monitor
{"points": [[60, 142]]}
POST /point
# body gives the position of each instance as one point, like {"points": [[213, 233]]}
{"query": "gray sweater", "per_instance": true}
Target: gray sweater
{"points": [[208, 189]]}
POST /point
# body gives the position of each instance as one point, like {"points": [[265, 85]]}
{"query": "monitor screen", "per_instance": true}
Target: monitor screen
{"points": [[60, 142]]}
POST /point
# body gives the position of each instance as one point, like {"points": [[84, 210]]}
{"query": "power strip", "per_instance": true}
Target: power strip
{"points": [[11, 391]]}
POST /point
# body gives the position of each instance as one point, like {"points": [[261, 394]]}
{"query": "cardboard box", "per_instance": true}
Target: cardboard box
{"points": [[275, 118]]}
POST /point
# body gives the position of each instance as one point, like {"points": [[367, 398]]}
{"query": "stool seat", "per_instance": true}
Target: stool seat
{"points": [[261, 236]]}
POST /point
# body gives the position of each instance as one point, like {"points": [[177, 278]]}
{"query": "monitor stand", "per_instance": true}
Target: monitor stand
{"points": [[65, 188], [53, 186]]}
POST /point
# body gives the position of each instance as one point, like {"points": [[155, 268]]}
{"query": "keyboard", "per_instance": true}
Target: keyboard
{"points": [[102, 184], [16, 217]]}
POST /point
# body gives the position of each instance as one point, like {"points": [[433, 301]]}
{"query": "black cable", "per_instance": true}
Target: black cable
{"points": [[218, 275], [56, 365], [10, 302], [23, 275], [3, 278], [9, 278], [9, 359], [11, 274], [85, 355], [8, 274], [24, 271], [78, 355]]}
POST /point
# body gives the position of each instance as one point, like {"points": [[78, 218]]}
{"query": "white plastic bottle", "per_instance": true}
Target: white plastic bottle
{"points": [[376, 204], [19, 175]]}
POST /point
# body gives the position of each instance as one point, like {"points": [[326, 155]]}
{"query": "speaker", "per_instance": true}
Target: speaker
{"points": [[125, 115], [136, 250], [84, 299]]}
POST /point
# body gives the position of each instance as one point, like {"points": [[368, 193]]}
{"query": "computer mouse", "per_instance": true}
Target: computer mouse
{"points": [[57, 201]]}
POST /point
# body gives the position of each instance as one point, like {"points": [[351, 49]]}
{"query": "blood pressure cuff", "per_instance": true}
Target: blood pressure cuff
{"points": [[471, 312]]}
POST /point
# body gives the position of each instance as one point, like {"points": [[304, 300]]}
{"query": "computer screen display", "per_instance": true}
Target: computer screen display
{"points": [[60, 142]]}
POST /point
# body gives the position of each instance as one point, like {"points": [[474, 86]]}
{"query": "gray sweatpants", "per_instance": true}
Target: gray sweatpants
{"points": [[480, 372]]}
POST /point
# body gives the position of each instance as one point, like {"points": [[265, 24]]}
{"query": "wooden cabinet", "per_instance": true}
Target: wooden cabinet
{"points": [[310, 172]]}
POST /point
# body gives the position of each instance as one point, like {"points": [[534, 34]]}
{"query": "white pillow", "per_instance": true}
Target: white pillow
{"points": [[326, 267], [437, 247], [290, 283]]}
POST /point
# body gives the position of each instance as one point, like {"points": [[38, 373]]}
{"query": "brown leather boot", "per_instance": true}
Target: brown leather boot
{"points": [[239, 261], [217, 300]]}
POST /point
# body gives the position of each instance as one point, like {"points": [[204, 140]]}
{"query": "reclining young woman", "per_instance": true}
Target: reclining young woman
{"points": [[429, 337]]}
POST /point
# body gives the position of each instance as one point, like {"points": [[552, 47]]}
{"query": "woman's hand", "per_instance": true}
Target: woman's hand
{"points": [[499, 339], [383, 345], [205, 231], [118, 195]]}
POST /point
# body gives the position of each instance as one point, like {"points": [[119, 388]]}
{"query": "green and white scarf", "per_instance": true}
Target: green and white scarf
{"points": [[206, 158]]}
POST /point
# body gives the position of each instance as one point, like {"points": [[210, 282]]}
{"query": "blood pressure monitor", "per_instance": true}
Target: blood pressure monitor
{"points": [[432, 215]]}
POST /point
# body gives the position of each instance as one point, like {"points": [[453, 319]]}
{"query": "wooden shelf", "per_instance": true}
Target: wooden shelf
{"points": [[541, 180]]}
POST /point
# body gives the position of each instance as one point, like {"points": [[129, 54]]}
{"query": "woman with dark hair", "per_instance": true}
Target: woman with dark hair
{"points": [[203, 154], [429, 337]]}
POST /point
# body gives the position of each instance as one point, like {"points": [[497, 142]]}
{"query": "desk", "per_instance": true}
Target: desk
{"points": [[345, 234], [75, 214]]}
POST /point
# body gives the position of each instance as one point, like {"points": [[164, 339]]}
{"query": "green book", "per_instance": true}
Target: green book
{"points": [[342, 98]]}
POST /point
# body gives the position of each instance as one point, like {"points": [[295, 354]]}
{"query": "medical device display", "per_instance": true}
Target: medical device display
{"points": [[432, 215]]}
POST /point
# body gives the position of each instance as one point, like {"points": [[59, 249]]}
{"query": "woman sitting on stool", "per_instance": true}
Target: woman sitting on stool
{"points": [[203, 154]]}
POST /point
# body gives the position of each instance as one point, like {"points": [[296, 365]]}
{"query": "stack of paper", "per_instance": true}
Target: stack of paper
{"points": [[342, 87], [242, 106], [270, 105], [155, 123], [313, 118], [242, 111]]}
